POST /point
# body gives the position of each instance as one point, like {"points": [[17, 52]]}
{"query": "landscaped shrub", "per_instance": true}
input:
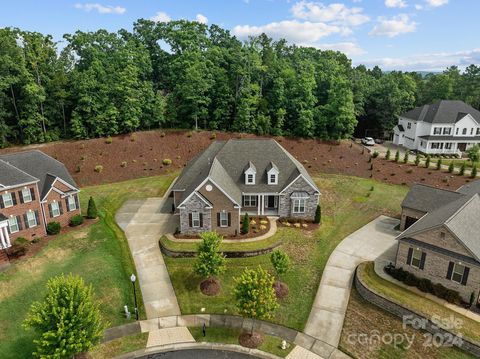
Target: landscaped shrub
{"points": [[318, 214], [427, 162], [425, 285], [92, 212], [53, 228], [108, 140], [417, 159], [17, 250], [76, 220], [375, 154], [405, 158], [124, 164], [245, 224], [397, 156], [439, 164], [462, 169], [213, 136], [98, 168], [167, 162], [451, 167], [474, 171], [387, 155]]}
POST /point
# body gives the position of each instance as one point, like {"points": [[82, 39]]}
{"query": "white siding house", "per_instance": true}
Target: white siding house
{"points": [[444, 127]]}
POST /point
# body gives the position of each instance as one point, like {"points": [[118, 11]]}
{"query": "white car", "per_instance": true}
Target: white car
{"points": [[368, 141]]}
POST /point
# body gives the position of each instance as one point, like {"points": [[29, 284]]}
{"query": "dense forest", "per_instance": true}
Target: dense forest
{"points": [[101, 83]]}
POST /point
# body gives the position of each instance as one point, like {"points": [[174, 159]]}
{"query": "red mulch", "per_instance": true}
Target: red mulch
{"points": [[144, 156], [250, 340], [210, 287], [281, 289]]}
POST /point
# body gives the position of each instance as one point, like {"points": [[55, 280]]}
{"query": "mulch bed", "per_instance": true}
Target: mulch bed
{"points": [[281, 289], [210, 287], [142, 154], [310, 225], [35, 247], [250, 340]]}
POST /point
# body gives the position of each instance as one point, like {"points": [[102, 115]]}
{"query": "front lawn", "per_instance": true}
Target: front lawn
{"points": [[99, 253], [470, 328], [348, 203]]}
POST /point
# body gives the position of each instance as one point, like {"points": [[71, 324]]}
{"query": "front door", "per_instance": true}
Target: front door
{"points": [[271, 202], [462, 147]]}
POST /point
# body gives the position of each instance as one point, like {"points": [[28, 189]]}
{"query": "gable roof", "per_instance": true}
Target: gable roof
{"points": [[225, 164], [456, 211], [12, 176], [444, 111], [40, 167]]}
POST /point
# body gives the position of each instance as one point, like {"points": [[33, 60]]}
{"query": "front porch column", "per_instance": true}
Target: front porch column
{"points": [[259, 199], [263, 204], [3, 239], [7, 237]]}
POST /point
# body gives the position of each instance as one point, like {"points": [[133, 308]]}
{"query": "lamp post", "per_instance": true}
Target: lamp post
{"points": [[133, 279]]}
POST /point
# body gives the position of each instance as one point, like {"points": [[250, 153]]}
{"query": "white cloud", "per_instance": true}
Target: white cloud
{"points": [[418, 6], [428, 62], [436, 3], [391, 27], [348, 48], [161, 17], [395, 3], [201, 19], [337, 14], [292, 30], [101, 9]]}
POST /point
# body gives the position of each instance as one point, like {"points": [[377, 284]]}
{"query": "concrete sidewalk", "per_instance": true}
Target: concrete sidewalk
{"points": [[376, 239], [144, 222]]}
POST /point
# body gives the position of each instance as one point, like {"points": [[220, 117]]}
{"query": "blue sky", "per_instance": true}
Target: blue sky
{"points": [[394, 34]]}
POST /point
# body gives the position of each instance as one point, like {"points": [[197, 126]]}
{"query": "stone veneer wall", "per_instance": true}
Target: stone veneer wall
{"points": [[436, 266], [407, 212], [396, 309], [195, 204], [285, 203]]}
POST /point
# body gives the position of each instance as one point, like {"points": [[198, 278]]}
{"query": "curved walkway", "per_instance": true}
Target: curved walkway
{"points": [[272, 230], [376, 239]]}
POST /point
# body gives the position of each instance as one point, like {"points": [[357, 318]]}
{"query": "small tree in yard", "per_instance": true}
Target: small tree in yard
{"points": [[256, 299], [474, 153], [451, 167], [281, 265], [67, 320], [92, 212], [462, 169], [439, 164], [245, 224], [210, 262], [417, 159], [387, 155], [474, 171], [427, 162], [397, 156], [405, 158], [318, 214]]}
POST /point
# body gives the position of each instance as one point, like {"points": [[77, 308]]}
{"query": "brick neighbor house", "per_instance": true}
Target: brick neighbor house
{"points": [[35, 189], [441, 237], [238, 176]]}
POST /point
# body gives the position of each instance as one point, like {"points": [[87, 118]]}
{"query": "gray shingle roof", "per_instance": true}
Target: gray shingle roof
{"points": [[444, 111], [424, 198], [450, 138], [40, 166], [12, 176], [226, 162], [470, 188]]}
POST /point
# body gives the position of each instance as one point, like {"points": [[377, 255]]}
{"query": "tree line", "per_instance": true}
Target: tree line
{"points": [[184, 74]]}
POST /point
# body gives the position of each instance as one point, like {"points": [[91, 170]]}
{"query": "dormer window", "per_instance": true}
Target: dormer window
{"points": [[250, 173], [272, 174]]}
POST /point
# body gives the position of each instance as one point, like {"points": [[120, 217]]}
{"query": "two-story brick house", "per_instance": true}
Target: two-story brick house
{"points": [[231, 178], [35, 189], [443, 127], [441, 237]]}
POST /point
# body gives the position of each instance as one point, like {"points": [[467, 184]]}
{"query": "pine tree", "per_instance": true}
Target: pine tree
{"points": [[439, 164], [92, 212], [417, 159], [462, 169], [397, 156], [474, 171], [427, 162], [405, 158], [387, 155], [451, 167], [318, 214], [245, 224]]}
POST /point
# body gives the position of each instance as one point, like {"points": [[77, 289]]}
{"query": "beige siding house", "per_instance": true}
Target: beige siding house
{"points": [[231, 178]]}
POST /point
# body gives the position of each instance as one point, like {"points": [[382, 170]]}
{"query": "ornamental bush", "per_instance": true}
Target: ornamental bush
{"points": [[387, 155], [92, 212], [417, 159], [245, 224], [397, 156], [405, 158], [280, 262], [439, 164], [53, 228], [76, 220], [210, 261], [427, 161], [167, 162], [462, 169], [318, 214], [474, 171], [451, 167]]}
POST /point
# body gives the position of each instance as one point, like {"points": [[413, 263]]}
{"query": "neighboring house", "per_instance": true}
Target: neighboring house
{"points": [[35, 189], [228, 179], [444, 127], [441, 237]]}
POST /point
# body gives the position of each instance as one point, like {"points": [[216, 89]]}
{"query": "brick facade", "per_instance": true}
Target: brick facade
{"points": [[65, 214], [436, 267], [285, 203], [19, 211]]}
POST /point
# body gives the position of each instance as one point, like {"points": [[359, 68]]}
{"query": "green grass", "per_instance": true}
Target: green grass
{"points": [[119, 346], [309, 251], [224, 247], [271, 344], [99, 253], [411, 300]]}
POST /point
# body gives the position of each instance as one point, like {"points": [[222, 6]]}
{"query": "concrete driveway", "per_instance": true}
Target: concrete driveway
{"points": [[144, 222], [374, 240]]}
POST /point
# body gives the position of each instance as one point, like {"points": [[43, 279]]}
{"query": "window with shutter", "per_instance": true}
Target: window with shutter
{"points": [[195, 219], [55, 209], [416, 258], [26, 195], [31, 219], [13, 225], [7, 200], [223, 219], [458, 272]]}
